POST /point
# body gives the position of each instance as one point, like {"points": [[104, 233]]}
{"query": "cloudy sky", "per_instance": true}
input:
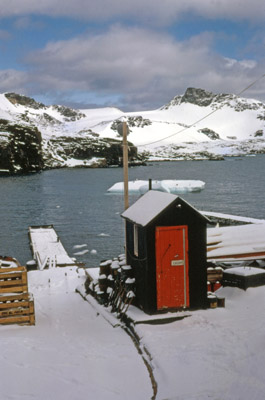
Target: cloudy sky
{"points": [[133, 54]]}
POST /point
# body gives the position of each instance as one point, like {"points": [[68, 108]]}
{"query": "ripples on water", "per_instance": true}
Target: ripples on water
{"points": [[76, 203]]}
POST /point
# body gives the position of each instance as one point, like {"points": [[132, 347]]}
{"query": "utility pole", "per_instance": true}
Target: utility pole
{"points": [[125, 165]]}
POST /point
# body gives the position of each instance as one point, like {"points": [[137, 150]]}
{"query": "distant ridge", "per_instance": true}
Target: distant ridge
{"points": [[184, 128]]}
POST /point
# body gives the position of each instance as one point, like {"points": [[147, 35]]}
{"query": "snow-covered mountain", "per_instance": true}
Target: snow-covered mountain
{"points": [[198, 124]]}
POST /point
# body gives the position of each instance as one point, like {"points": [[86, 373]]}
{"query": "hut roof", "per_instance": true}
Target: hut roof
{"points": [[150, 205]]}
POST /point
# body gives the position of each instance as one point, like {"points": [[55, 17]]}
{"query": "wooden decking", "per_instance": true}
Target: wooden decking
{"points": [[47, 248]]}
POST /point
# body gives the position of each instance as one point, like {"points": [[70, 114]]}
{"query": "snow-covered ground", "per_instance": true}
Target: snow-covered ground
{"points": [[71, 353], [213, 354], [74, 353]]}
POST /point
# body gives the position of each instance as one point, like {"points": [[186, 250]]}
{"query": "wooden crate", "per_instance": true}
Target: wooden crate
{"points": [[16, 304], [13, 280], [17, 309]]}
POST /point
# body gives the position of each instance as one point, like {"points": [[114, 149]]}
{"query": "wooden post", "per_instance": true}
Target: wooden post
{"points": [[125, 166], [150, 184]]}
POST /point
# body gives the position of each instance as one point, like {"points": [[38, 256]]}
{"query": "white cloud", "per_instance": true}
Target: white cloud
{"points": [[151, 11], [143, 67], [13, 80]]}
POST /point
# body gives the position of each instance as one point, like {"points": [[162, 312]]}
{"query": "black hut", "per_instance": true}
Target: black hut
{"points": [[166, 247]]}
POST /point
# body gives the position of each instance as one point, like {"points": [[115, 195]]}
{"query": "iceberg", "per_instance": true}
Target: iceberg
{"points": [[169, 185]]}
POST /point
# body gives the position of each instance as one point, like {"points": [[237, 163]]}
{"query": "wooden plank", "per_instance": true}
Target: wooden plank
{"points": [[13, 269], [24, 319], [14, 304], [15, 297], [239, 256], [14, 289], [24, 278], [32, 319], [15, 311], [11, 275], [12, 282], [31, 307]]}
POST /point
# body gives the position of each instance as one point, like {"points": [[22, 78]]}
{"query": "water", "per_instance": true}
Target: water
{"points": [[76, 203]]}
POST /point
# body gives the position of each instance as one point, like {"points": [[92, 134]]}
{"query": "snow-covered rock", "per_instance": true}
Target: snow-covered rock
{"points": [[195, 125]]}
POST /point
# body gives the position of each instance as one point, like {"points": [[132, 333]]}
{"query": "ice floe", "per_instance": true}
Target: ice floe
{"points": [[168, 185]]}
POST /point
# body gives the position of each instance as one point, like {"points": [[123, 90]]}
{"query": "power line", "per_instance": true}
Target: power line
{"points": [[203, 118]]}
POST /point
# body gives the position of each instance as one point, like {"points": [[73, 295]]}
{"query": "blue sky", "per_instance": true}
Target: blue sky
{"points": [[135, 55]]}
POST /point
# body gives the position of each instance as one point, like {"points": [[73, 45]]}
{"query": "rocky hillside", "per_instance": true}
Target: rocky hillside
{"points": [[26, 145], [20, 148], [197, 124]]}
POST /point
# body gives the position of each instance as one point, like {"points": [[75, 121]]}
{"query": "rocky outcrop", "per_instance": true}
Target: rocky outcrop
{"points": [[199, 97], [258, 133], [68, 113], [15, 98], [20, 148], [210, 133], [58, 151], [203, 98], [132, 122]]}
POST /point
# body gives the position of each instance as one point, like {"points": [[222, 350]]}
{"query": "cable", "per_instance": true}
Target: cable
{"points": [[203, 118]]}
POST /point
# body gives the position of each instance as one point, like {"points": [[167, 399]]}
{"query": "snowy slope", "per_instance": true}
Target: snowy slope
{"points": [[213, 121]]}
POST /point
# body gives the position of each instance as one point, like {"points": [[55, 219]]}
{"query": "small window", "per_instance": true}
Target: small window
{"points": [[135, 240]]}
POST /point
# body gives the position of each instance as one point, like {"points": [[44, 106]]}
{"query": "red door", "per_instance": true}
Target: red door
{"points": [[172, 267]]}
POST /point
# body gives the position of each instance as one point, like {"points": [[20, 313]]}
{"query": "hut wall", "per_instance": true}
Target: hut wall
{"points": [[138, 264], [144, 265]]}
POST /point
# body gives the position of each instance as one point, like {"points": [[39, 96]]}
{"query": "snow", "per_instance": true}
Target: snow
{"points": [[72, 352], [213, 354], [46, 244], [78, 349], [147, 207], [141, 213], [182, 123], [81, 253], [73, 163], [79, 246], [246, 220], [168, 185], [236, 240], [245, 271]]}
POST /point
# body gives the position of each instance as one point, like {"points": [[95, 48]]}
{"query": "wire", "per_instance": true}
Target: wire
{"points": [[203, 118]]}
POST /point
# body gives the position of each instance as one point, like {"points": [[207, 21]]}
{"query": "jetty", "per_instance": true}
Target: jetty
{"points": [[47, 248]]}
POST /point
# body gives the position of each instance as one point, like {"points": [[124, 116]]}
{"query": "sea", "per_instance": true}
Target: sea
{"points": [[87, 219]]}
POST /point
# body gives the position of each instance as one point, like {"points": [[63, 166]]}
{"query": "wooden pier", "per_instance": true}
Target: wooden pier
{"points": [[47, 248]]}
